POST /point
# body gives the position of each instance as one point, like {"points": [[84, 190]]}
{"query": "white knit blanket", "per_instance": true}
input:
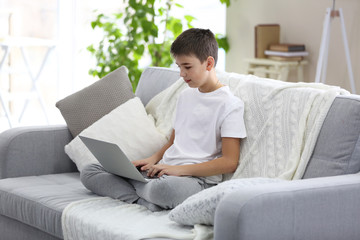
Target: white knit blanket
{"points": [[282, 120], [109, 219]]}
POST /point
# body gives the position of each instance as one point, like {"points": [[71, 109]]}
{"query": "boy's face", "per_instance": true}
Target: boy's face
{"points": [[194, 72]]}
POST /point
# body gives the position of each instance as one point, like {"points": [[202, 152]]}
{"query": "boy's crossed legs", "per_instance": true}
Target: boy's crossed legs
{"points": [[161, 193]]}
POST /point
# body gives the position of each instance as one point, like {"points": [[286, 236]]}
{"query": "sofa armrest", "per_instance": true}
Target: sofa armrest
{"points": [[39, 150], [317, 208]]}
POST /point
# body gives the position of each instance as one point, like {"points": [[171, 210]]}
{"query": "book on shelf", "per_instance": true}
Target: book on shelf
{"points": [[280, 58], [287, 47], [265, 35], [286, 54]]}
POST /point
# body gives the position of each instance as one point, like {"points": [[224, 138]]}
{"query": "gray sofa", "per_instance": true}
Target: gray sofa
{"points": [[38, 180]]}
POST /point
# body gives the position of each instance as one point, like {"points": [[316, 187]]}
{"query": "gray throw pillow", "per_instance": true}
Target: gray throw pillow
{"points": [[337, 150], [83, 108]]}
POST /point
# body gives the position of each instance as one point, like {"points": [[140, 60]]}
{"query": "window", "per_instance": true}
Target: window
{"points": [[67, 23]]}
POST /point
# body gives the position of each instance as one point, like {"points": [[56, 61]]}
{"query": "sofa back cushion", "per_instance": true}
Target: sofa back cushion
{"points": [[153, 80], [337, 150]]}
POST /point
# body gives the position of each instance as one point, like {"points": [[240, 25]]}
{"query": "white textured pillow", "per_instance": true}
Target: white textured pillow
{"points": [[200, 208], [128, 125]]}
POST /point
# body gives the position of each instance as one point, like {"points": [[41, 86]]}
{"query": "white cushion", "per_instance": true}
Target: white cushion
{"points": [[128, 125], [200, 208]]}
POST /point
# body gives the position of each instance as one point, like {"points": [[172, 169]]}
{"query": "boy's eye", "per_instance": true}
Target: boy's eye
{"points": [[187, 68]]}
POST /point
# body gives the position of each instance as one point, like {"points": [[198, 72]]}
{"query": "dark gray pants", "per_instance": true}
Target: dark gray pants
{"points": [[165, 192]]}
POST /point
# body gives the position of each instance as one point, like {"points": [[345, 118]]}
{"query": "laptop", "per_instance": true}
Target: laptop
{"points": [[113, 159]]}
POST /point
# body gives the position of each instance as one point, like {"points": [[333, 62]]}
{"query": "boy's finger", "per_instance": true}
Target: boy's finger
{"points": [[150, 171], [137, 164], [154, 172], [145, 167], [161, 173]]}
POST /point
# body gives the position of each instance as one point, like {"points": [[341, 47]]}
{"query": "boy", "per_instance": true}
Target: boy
{"points": [[205, 141]]}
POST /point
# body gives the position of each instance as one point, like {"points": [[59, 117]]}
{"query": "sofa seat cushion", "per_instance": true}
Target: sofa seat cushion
{"points": [[39, 200]]}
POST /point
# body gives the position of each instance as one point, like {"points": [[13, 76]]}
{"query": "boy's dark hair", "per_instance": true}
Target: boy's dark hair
{"points": [[196, 41]]}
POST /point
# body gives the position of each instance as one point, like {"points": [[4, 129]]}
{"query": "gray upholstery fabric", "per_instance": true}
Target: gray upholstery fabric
{"points": [[38, 201], [14, 230], [153, 80], [83, 108], [311, 209], [337, 150], [28, 151]]}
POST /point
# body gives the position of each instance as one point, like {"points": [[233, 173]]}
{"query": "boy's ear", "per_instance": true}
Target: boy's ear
{"points": [[210, 63]]}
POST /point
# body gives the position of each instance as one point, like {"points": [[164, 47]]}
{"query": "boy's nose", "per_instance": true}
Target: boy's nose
{"points": [[182, 73]]}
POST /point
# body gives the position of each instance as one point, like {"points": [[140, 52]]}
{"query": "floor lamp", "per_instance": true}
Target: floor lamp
{"points": [[331, 13]]}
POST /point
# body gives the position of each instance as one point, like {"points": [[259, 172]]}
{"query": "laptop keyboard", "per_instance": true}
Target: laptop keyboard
{"points": [[144, 173]]}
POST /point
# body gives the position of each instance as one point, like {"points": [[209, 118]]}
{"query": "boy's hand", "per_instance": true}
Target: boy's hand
{"points": [[163, 169], [145, 164]]}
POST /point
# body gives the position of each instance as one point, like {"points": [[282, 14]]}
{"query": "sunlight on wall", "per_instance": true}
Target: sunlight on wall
{"points": [[209, 14]]}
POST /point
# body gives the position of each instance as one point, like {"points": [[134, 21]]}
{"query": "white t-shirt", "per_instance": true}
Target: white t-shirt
{"points": [[201, 120]]}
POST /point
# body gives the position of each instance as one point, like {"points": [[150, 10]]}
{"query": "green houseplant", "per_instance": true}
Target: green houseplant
{"points": [[145, 28]]}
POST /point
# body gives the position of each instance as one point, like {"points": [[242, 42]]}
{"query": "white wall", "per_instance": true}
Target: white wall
{"points": [[209, 14], [301, 21]]}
